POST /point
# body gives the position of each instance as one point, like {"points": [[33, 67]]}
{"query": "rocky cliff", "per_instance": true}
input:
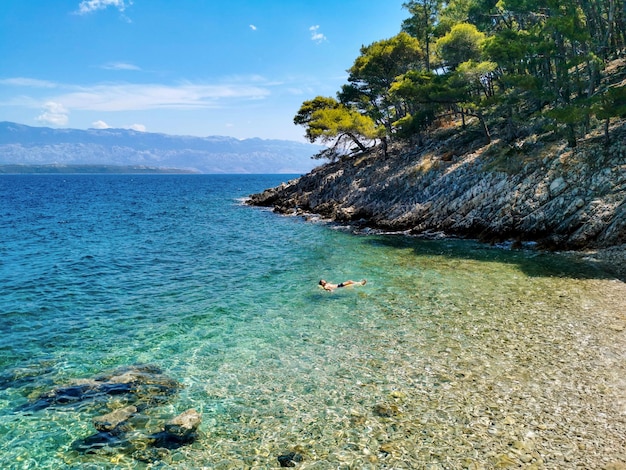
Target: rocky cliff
{"points": [[535, 191]]}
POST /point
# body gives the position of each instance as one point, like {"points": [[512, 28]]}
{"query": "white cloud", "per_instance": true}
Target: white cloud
{"points": [[100, 125], [54, 113], [295, 91], [127, 97], [28, 82], [138, 127], [88, 6], [55, 105], [252, 27], [316, 35], [120, 66]]}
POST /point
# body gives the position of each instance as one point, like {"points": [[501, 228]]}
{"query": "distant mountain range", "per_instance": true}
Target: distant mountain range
{"points": [[23, 146]]}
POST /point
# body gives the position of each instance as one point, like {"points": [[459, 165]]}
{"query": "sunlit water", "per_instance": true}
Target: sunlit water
{"points": [[453, 355]]}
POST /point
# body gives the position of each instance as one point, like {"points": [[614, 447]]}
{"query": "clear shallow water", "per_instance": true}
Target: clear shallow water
{"points": [[454, 355]]}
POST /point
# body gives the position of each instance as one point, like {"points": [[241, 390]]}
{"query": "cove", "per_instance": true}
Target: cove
{"points": [[453, 355]]}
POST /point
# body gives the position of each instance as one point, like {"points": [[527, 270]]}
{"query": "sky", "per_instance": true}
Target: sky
{"points": [[238, 68]]}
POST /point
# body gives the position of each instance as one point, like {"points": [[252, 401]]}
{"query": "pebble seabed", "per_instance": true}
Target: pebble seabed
{"points": [[524, 374], [446, 363]]}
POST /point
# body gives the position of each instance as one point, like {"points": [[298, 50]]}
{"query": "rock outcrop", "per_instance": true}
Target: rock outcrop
{"points": [[559, 197]]}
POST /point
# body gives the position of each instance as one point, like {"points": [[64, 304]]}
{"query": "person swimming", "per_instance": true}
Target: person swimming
{"points": [[331, 287]]}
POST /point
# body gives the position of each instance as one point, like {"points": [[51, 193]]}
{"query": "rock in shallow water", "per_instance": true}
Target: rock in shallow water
{"points": [[290, 459], [385, 410], [143, 385], [100, 442], [20, 376], [114, 420], [184, 424], [179, 431], [137, 387], [151, 455]]}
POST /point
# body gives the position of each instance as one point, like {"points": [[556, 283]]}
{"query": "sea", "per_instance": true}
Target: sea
{"points": [[453, 355]]}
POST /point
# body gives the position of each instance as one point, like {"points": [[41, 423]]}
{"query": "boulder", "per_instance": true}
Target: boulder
{"points": [[184, 425], [179, 431], [115, 420]]}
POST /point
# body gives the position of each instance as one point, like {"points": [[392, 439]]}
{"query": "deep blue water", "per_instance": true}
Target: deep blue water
{"points": [[99, 272]]}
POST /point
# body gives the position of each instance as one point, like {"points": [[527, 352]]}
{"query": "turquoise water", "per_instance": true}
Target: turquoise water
{"points": [[453, 355]]}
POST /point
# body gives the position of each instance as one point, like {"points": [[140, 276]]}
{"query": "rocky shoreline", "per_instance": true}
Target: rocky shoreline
{"points": [[559, 198]]}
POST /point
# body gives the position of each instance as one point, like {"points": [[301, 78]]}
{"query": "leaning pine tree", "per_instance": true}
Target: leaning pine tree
{"points": [[328, 121]]}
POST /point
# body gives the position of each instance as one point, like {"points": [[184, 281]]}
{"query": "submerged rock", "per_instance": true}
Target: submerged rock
{"points": [[20, 376], [290, 459], [117, 429], [123, 429], [115, 420], [180, 430], [151, 455], [100, 442], [143, 386], [63, 396], [184, 425], [385, 410]]}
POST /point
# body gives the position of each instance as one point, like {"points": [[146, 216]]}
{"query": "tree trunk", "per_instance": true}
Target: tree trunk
{"points": [[571, 136], [362, 147], [484, 126], [592, 73], [611, 19]]}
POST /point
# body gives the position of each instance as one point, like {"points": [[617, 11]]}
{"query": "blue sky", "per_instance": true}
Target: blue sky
{"points": [[240, 68]]}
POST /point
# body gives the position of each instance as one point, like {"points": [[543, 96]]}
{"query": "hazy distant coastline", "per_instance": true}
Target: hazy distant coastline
{"points": [[44, 147], [88, 169]]}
